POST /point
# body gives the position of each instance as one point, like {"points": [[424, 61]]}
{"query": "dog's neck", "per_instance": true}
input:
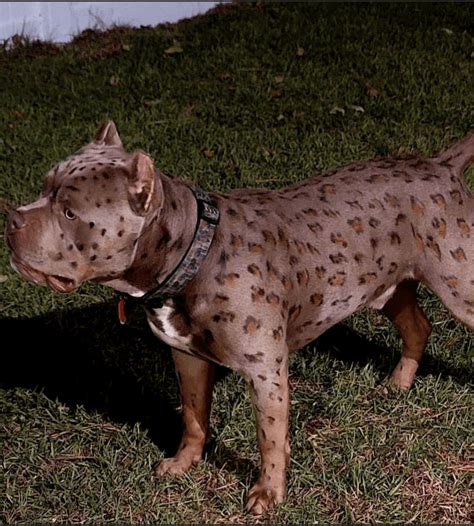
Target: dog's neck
{"points": [[163, 242]]}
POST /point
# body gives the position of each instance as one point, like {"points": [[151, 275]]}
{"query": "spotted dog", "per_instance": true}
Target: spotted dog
{"points": [[241, 279]]}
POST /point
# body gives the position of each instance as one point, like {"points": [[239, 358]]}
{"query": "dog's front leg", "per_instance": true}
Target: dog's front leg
{"points": [[196, 382], [269, 390]]}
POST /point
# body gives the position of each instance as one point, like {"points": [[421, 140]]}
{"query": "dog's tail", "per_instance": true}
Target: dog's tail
{"points": [[459, 155]]}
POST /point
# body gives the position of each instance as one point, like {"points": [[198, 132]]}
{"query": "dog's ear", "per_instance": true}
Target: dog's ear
{"points": [[108, 135], [142, 183]]}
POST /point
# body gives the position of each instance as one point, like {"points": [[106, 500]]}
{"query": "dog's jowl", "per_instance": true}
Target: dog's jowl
{"points": [[242, 279]]}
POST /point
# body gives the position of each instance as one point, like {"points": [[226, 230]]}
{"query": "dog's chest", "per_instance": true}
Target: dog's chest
{"points": [[170, 326]]}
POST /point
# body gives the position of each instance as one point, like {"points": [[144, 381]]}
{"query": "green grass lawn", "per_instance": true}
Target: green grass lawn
{"points": [[251, 95]]}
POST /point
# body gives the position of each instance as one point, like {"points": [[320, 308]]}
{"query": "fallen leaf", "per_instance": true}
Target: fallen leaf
{"points": [[225, 77], [150, 103], [281, 117], [209, 153], [356, 108], [278, 79], [299, 51], [371, 90], [269, 152], [3, 278], [126, 47], [18, 114], [337, 109], [114, 80], [173, 50], [276, 93]]}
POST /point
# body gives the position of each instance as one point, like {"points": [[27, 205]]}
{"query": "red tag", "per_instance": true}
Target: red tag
{"points": [[122, 313]]}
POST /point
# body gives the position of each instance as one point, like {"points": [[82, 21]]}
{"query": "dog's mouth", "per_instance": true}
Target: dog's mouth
{"points": [[53, 281], [61, 284]]}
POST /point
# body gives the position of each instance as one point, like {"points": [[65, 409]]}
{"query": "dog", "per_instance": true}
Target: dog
{"points": [[243, 278]]}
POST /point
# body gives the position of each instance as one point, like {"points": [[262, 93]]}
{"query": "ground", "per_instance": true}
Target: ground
{"points": [[251, 95]]}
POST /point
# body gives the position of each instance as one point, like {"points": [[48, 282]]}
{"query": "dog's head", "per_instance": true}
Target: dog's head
{"points": [[89, 217]]}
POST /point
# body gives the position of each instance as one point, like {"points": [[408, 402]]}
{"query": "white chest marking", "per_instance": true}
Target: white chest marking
{"points": [[161, 326]]}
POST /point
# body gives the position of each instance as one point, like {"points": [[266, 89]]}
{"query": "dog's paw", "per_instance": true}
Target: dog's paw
{"points": [[263, 497], [174, 466]]}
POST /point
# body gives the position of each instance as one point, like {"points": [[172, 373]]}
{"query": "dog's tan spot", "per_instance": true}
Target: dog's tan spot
{"points": [[278, 333], [269, 237], [420, 246], [356, 225], [451, 281], [417, 206], [219, 299], [320, 272], [456, 196], [327, 189], [310, 212], [254, 358], [440, 225], [338, 258], [295, 311], [439, 200], [434, 247], [338, 279], [458, 255], [251, 325], [236, 241], [229, 279], [367, 278], [392, 200], [273, 299], [338, 239], [255, 270], [464, 227], [257, 293], [316, 299], [302, 277], [256, 248], [224, 316]]}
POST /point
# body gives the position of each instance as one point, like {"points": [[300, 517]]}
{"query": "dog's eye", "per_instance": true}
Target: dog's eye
{"points": [[68, 214]]}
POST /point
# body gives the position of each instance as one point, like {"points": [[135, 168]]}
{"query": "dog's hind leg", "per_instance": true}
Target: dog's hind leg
{"points": [[404, 312]]}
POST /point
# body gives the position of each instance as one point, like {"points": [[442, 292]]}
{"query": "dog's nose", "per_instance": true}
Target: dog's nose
{"points": [[16, 220]]}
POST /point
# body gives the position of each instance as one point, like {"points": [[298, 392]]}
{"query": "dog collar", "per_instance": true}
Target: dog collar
{"points": [[187, 268]]}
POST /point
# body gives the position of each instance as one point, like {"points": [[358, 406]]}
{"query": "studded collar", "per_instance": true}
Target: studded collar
{"points": [[187, 268]]}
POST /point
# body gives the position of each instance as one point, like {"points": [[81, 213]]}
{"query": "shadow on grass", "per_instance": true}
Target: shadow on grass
{"points": [[84, 357]]}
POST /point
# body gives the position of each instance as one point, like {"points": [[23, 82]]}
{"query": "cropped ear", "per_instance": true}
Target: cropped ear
{"points": [[108, 135], [141, 186]]}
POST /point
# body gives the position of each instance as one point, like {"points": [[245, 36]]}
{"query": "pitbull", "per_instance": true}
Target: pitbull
{"points": [[241, 279]]}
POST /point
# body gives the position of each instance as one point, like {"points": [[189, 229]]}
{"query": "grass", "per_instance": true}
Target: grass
{"points": [[261, 95]]}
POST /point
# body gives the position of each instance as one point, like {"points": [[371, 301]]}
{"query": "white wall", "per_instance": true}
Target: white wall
{"points": [[60, 21]]}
